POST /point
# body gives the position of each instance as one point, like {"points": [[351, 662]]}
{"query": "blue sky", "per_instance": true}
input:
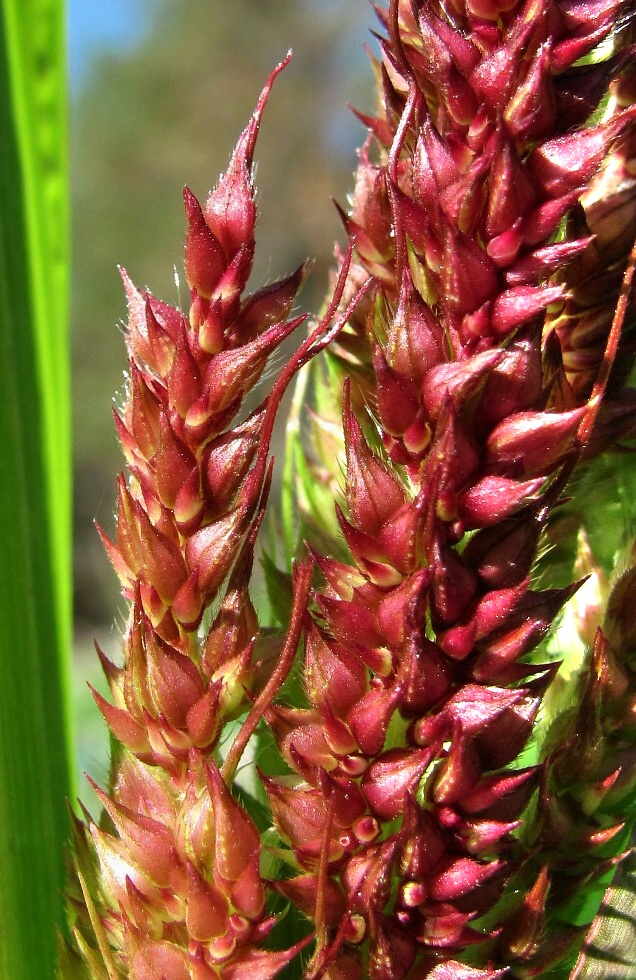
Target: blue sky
{"points": [[97, 24]]}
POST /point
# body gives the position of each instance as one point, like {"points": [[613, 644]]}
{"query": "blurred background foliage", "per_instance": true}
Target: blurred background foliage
{"points": [[159, 106]]}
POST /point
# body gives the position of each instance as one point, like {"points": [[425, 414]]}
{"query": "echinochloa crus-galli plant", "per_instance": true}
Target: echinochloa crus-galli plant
{"points": [[177, 887], [422, 808]]}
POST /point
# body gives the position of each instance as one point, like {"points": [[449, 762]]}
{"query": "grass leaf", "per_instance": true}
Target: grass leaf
{"points": [[34, 486]]}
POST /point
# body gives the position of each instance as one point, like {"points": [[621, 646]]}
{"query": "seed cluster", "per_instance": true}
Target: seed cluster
{"points": [[488, 252]]}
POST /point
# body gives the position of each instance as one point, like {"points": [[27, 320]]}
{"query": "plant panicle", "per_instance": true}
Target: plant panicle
{"points": [[429, 816]]}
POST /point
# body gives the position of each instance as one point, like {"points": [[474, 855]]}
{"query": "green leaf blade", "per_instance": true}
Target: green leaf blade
{"points": [[35, 580]]}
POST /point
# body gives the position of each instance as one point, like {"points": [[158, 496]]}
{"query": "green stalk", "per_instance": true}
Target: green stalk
{"points": [[35, 590]]}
